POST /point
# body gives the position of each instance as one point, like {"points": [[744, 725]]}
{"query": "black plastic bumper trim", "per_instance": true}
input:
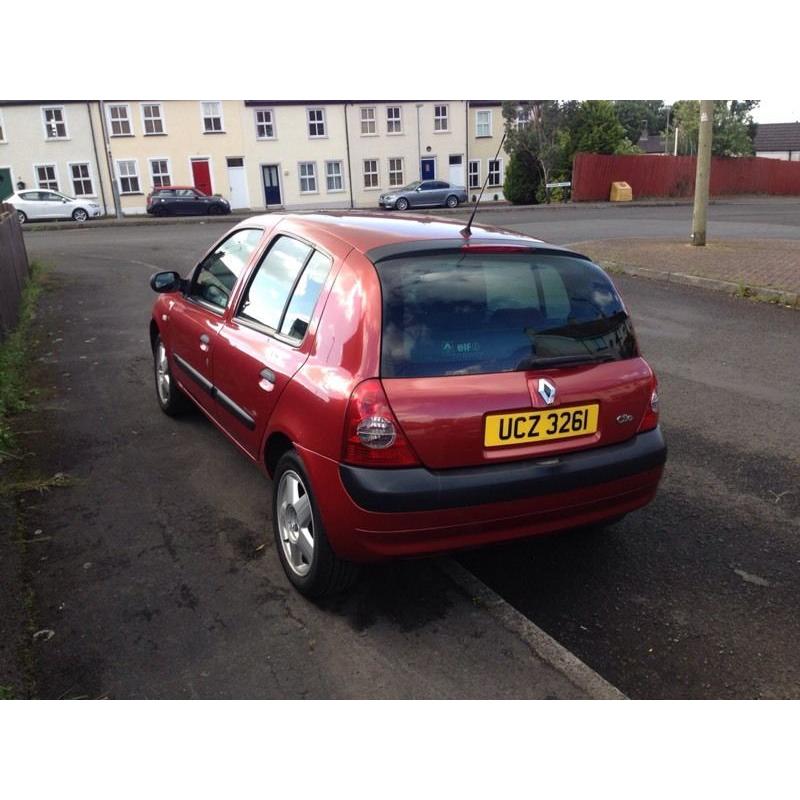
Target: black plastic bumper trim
{"points": [[421, 489]]}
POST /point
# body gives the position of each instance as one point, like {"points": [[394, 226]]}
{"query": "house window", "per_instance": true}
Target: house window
{"points": [[494, 173], [316, 122], [483, 123], [152, 119], [46, 177], [368, 127], [474, 174], [55, 125], [333, 176], [159, 170], [308, 177], [440, 118], [119, 120], [370, 173], [212, 117], [81, 180], [128, 173], [523, 117], [394, 119], [265, 123], [395, 172]]}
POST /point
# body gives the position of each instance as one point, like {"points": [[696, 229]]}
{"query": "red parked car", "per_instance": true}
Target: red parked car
{"points": [[411, 388]]}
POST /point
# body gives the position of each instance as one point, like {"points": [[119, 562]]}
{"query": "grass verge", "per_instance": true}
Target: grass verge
{"points": [[14, 360]]}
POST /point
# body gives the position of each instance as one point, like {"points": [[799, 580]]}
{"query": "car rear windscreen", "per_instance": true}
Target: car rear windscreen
{"points": [[469, 313]]}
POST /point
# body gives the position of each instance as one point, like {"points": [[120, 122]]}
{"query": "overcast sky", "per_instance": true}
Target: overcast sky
{"points": [[778, 111]]}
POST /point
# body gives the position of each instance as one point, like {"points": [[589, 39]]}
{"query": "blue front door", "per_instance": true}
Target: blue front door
{"points": [[428, 169], [272, 186]]}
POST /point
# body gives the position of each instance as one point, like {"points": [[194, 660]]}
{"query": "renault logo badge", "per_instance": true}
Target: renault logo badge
{"points": [[547, 391]]}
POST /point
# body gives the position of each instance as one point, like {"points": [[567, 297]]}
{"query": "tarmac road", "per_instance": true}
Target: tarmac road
{"points": [[695, 596]]}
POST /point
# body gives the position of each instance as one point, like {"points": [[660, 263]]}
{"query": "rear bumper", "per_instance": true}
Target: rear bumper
{"points": [[371, 514], [420, 489]]}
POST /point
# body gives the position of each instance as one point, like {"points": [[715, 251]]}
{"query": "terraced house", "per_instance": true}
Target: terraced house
{"points": [[257, 153], [54, 144]]}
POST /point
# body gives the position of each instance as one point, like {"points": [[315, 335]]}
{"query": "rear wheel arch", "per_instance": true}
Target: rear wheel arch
{"points": [[276, 445]]}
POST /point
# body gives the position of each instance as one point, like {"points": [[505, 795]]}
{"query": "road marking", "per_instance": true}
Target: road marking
{"points": [[540, 643]]}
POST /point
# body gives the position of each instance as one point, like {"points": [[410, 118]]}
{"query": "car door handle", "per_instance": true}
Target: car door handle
{"points": [[267, 382], [204, 341]]}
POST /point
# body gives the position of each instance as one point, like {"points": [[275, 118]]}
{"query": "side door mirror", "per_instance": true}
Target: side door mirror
{"points": [[163, 282]]}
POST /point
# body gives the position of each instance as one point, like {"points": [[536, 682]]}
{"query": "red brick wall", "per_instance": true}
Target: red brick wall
{"points": [[673, 176]]}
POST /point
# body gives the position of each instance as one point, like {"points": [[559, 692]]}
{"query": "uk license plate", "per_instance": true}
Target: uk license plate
{"points": [[529, 427]]}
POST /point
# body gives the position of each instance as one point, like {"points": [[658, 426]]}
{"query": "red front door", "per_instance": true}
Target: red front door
{"points": [[201, 175]]}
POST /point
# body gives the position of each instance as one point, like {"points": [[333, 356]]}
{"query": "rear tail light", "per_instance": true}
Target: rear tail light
{"points": [[372, 435], [650, 418]]}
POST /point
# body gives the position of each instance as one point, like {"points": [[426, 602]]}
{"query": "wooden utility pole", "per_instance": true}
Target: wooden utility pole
{"points": [[703, 177]]}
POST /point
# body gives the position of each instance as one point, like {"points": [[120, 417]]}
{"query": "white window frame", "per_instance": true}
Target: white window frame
{"points": [[438, 119], [521, 122], [479, 124], [323, 121], [499, 162], [111, 120], [55, 173], [136, 175], [367, 120], [63, 111], [145, 120], [88, 165], [150, 161], [271, 112], [301, 177], [3, 139], [402, 172], [376, 173], [204, 117], [398, 121], [340, 176], [477, 173]]}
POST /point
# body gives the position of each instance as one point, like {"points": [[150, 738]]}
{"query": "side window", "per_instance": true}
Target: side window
{"points": [[306, 294], [217, 274], [269, 290]]}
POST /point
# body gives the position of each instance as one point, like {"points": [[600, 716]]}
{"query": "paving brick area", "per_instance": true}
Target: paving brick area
{"points": [[754, 263]]}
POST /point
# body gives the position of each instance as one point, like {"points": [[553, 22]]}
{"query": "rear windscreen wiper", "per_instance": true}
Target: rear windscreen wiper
{"points": [[542, 362]]}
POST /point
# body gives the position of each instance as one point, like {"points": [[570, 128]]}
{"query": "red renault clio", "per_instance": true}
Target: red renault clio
{"points": [[411, 386]]}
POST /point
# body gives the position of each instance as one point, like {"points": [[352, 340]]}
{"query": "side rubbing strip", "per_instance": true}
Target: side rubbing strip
{"points": [[219, 396], [235, 409], [199, 379]]}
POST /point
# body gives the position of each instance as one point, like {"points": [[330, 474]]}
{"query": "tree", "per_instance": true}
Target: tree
{"points": [[535, 129], [733, 130], [638, 114], [596, 129], [522, 179]]}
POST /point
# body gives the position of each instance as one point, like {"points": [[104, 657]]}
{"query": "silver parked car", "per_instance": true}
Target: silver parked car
{"points": [[424, 193], [32, 204]]}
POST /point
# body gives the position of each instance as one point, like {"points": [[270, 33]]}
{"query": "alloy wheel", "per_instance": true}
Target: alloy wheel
{"points": [[295, 523], [162, 374]]}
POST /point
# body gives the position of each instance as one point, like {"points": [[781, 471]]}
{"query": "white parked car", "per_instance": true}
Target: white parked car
{"points": [[33, 204]]}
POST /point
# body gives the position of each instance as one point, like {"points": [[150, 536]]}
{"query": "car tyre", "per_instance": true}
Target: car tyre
{"points": [[214, 210], [80, 215], [22, 217], [160, 211], [452, 201], [305, 554], [171, 399], [401, 204]]}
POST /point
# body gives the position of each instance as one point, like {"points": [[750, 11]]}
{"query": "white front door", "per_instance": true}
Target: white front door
{"points": [[457, 171], [237, 182]]}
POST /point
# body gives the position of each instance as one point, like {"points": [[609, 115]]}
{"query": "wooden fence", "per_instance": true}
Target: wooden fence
{"points": [[13, 268], [673, 176]]}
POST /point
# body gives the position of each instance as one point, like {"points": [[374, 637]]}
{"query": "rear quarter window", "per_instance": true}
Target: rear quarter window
{"points": [[456, 314]]}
